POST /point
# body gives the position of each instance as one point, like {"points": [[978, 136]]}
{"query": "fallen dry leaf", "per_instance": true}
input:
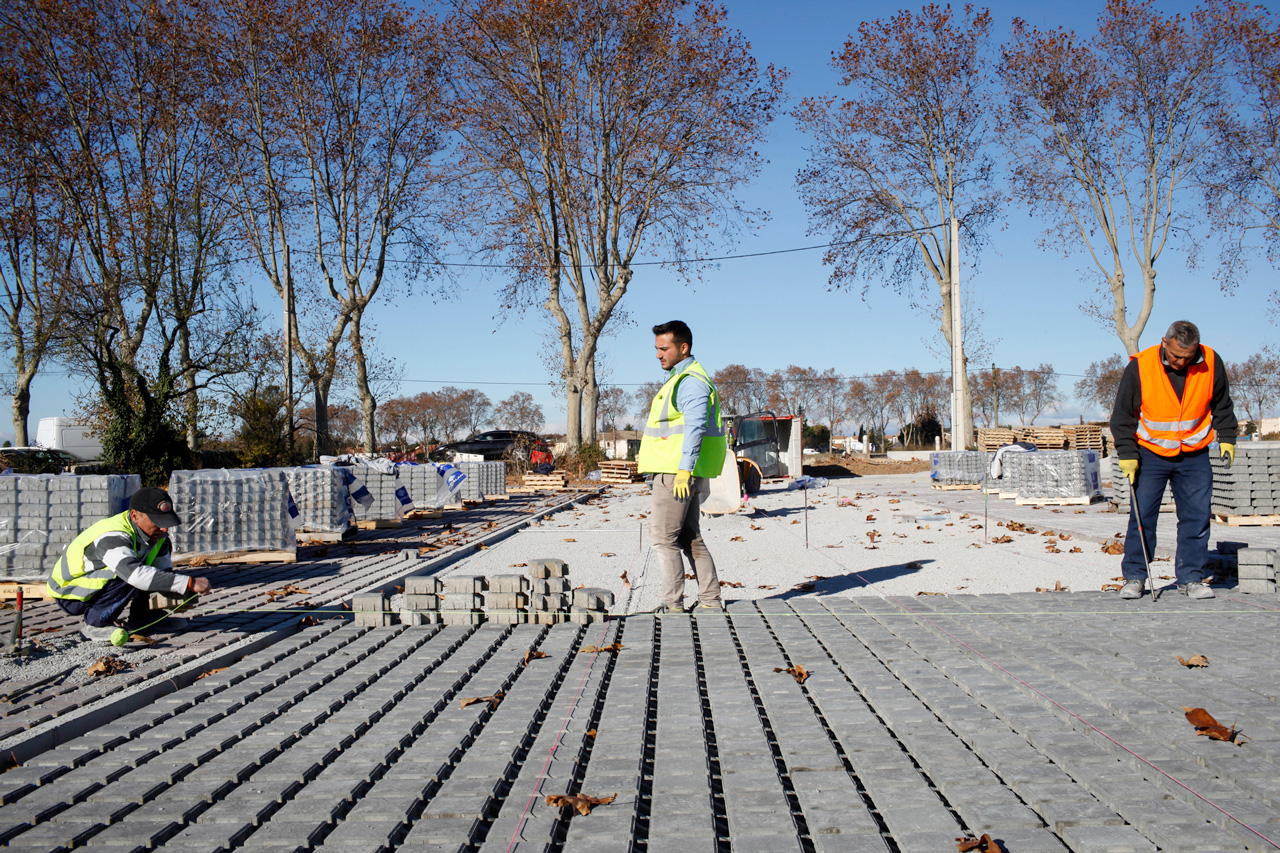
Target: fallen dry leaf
{"points": [[612, 647], [690, 577], [804, 587], [591, 733], [1001, 540], [871, 518], [798, 672], [894, 501], [107, 666], [1113, 547], [142, 638], [1207, 726], [530, 654], [1111, 587], [1076, 551], [975, 526], [795, 521], [306, 621], [1065, 537], [985, 844], [517, 565], [608, 554], [1057, 587], [735, 538], [733, 584], [1194, 660], [474, 700], [756, 527], [210, 672], [580, 802], [765, 586], [273, 594], [626, 582], [571, 540], [872, 534], [817, 577], [197, 562], [924, 592]]}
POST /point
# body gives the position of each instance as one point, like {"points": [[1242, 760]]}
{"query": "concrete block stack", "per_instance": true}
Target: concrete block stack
{"points": [[590, 604], [484, 479], [41, 513], [549, 592], [387, 499], [1257, 570], [463, 602], [427, 484], [371, 610], [507, 600], [1251, 486], [959, 467], [232, 511], [322, 498], [421, 602], [1057, 474], [1120, 490]]}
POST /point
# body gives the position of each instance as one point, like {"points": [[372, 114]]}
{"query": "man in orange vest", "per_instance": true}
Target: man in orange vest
{"points": [[1172, 403]]}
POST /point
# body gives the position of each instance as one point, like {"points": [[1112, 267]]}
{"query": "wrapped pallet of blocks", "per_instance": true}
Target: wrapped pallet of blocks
{"points": [[322, 497], [959, 468], [1256, 569], [1248, 490], [237, 512], [41, 513], [484, 479], [377, 495], [430, 486], [1058, 476]]}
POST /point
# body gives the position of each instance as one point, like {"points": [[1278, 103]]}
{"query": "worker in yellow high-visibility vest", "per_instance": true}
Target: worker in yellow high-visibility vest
{"points": [[683, 446]]}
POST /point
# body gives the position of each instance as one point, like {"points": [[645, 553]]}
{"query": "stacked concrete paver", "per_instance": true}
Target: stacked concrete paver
{"points": [[1256, 569], [1250, 486], [463, 602], [41, 513], [421, 603], [506, 602], [1056, 474], [1120, 489], [959, 468], [227, 511], [426, 485], [388, 499], [484, 479], [322, 498]]}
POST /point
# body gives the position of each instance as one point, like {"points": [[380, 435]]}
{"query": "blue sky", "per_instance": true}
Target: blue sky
{"points": [[770, 312]]}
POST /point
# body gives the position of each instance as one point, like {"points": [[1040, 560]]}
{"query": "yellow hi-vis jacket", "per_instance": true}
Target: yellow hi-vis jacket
{"points": [[1168, 425], [109, 549], [663, 441]]}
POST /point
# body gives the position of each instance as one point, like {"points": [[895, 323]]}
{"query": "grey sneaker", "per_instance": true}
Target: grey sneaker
{"points": [[97, 634], [1132, 588], [1198, 589], [667, 609]]}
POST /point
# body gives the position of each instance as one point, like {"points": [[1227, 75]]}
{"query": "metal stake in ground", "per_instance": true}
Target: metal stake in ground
{"points": [[15, 641], [806, 518], [1142, 538]]}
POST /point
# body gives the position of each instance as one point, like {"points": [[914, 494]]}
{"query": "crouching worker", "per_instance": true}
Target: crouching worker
{"points": [[116, 563]]}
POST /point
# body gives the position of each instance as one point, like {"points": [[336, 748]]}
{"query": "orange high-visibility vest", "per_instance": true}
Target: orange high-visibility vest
{"points": [[1169, 426]]}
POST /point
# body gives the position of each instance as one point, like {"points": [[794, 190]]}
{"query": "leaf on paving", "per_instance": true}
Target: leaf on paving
{"points": [[913, 566], [732, 584], [735, 538], [964, 517], [473, 700], [1057, 587], [579, 802], [1109, 587], [974, 545], [1165, 577], [756, 527], [798, 672], [765, 586], [210, 672], [571, 540], [142, 638], [1076, 551], [1194, 660], [924, 592], [530, 654], [612, 647], [1081, 511], [608, 554], [1113, 547], [107, 666], [517, 565], [1207, 726], [482, 547], [690, 577], [985, 844], [926, 541], [290, 589], [817, 577], [626, 582], [832, 546], [591, 733], [1052, 549], [1065, 537], [1049, 533], [962, 587], [308, 620], [196, 562], [894, 501], [871, 518], [795, 521], [975, 526], [872, 534], [1001, 540], [804, 587]]}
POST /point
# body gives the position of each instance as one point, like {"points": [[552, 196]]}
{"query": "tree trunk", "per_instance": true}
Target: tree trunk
{"points": [[368, 405], [573, 414], [324, 445], [192, 403], [590, 404], [22, 409]]}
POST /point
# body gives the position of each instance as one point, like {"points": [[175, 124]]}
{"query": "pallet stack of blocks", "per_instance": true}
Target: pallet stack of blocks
{"points": [[1257, 570], [1056, 474], [230, 511], [425, 485], [41, 513], [959, 467], [483, 479], [1251, 486], [382, 486], [320, 493], [1120, 489]]}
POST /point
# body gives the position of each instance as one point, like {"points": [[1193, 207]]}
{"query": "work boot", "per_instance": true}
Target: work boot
{"points": [[715, 607], [1197, 589], [1132, 588], [96, 633], [667, 609]]}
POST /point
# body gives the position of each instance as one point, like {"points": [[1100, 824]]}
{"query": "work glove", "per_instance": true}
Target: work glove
{"points": [[1228, 453], [1129, 467], [681, 488]]}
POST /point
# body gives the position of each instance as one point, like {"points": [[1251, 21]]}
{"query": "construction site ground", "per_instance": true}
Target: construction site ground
{"points": [[885, 678]]}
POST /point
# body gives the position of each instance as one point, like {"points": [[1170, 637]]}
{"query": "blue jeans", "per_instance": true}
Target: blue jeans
{"points": [[105, 607], [1191, 480]]}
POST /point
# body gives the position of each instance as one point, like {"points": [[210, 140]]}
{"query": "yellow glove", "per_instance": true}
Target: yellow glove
{"points": [[681, 489], [1129, 467], [1228, 453]]}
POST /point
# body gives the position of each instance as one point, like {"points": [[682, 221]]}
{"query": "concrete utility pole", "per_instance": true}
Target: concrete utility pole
{"points": [[959, 419]]}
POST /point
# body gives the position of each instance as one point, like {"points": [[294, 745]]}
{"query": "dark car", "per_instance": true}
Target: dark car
{"points": [[37, 460], [498, 444]]}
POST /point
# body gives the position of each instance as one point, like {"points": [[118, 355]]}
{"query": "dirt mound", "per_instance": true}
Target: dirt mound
{"points": [[842, 466]]}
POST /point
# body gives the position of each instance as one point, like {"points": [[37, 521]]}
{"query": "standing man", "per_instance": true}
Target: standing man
{"points": [[683, 446], [1173, 401], [116, 562]]}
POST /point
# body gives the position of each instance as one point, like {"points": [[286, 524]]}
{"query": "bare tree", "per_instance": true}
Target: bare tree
{"points": [[904, 153], [1106, 134], [742, 390], [613, 405], [793, 390], [592, 132], [874, 400], [1255, 384], [520, 411], [831, 399], [1101, 381], [643, 398], [1037, 391]]}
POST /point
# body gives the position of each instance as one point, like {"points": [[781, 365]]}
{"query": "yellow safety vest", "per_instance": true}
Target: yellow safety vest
{"points": [[72, 579], [663, 441]]}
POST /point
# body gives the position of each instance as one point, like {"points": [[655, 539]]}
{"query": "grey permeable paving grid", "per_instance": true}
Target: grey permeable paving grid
{"points": [[1052, 722]]}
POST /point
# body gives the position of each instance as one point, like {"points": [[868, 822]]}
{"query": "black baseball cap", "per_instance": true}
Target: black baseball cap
{"points": [[156, 505]]}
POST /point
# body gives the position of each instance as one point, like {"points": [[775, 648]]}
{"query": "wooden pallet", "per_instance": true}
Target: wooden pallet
{"points": [[523, 490], [323, 535], [1044, 438], [1248, 520], [1081, 501], [1084, 437], [545, 481], [956, 487], [992, 438], [378, 523], [33, 591], [419, 514], [242, 557]]}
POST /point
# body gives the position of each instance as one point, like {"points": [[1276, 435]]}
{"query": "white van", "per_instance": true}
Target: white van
{"points": [[66, 434]]}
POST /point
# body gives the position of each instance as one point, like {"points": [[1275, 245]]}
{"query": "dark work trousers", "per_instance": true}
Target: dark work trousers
{"points": [[105, 607], [1191, 480]]}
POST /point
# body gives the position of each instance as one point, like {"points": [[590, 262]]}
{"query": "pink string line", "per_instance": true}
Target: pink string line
{"points": [[564, 724], [1052, 701]]}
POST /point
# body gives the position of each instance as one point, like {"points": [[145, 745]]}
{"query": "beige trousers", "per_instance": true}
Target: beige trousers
{"points": [[673, 527]]}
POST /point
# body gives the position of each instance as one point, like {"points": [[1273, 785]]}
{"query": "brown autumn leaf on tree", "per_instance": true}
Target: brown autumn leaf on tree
{"points": [[1207, 726], [475, 700], [985, 844], [581, 803], [532, 654], [798, 672], [1193, 661]]}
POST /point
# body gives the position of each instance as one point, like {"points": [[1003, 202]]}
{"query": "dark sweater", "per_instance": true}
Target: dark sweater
{"points": [[1124, 415]]}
